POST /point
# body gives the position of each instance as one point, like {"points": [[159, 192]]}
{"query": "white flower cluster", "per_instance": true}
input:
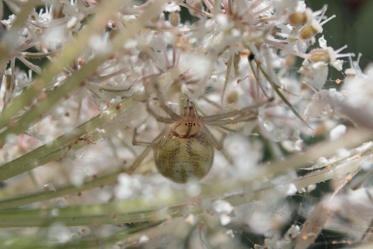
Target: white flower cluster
{"points": [[224, 56], [234, 55]]}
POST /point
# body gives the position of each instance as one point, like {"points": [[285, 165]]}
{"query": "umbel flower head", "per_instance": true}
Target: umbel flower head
{"points": [[214, 89], [227, 57]]}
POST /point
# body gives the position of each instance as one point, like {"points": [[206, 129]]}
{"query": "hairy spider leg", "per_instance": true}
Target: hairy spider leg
{"points": [[234, 120], [146, 151], [218, 144], [158, 117], [139, 159], [242, 112], [162, 102]]}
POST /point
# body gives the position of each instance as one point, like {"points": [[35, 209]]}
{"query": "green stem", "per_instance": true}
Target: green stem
{"points": [[66, 190], [92, 215], [105, 180], [41, 108], [176, 205], [77, 138], [40, 241], [66, 56]]}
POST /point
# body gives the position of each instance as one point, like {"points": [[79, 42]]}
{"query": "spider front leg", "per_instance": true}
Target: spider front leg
{"points": [[243, 112], [144, 143], [158, 117], [163, 104], [218, 144], [137, 142], [139, 159], [211, 138], [234, 120], [145, 152]]}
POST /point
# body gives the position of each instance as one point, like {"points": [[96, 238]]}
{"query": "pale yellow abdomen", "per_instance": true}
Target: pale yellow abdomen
{"points": [[183, 159]]}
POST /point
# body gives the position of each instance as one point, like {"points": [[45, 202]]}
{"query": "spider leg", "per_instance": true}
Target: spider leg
{"points": [[234, 120], [146, 151], [244, 111], [215, 117], [210, 137], [137, 142], [154, 142], [138, 160], [158, 117], [218, 144], [173, 56], [162, 102]]}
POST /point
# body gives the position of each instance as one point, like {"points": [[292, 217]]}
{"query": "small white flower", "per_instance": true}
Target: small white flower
{"points": [[100, 44], [197, 66], [193, 189], [292, 189], [127, 186], [143, 239], [72, 22], [221, 206], [54, 37], [319, 107], [329, 55], [222, 21], [172, 7], [314, 74], [224, 219], [337, 132]]}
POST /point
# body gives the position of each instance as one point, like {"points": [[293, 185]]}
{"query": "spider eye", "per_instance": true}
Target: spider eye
{"points": [[186, 124]]}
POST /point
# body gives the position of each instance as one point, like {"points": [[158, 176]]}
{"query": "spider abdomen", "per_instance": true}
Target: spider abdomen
{"points": [[182, 159]]}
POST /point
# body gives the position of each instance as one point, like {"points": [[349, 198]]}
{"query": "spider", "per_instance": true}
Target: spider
{"points": [[184, 150]]}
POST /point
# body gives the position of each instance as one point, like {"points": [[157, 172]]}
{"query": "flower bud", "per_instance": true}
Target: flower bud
{"points": [[319, 55], [309, 31], [297, 18], [174, 18], [232, 97], [290, 60]]}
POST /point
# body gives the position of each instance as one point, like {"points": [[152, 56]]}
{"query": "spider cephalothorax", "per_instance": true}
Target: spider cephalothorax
{"points": [[189, 123]]}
